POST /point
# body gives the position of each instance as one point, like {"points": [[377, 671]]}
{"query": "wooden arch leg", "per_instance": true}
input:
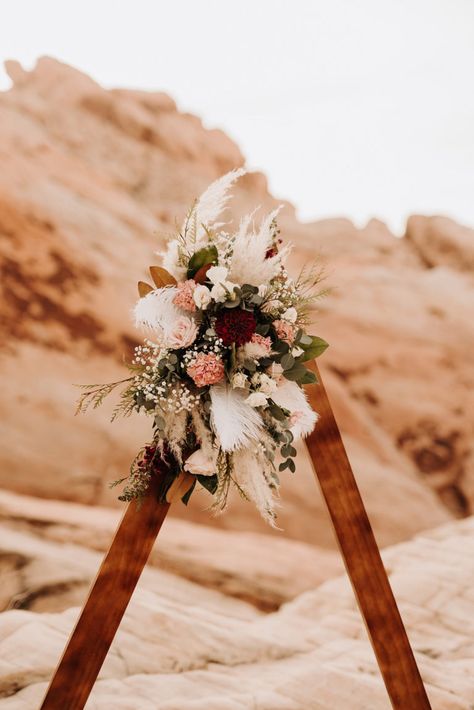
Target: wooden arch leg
{"points": [[108, 599], [121, 569], [362, 558]]}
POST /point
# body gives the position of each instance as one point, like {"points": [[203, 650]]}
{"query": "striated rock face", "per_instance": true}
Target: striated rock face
{"points": [[229, 614], [183, 646], [90, 180]]}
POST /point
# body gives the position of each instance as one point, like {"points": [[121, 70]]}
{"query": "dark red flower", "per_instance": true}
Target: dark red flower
{"points": [[235, 326], [273, 251]]}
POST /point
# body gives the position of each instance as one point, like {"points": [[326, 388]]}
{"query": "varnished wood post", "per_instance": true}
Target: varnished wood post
{"points": [[362, 558], [108, 599], [133, 541]]}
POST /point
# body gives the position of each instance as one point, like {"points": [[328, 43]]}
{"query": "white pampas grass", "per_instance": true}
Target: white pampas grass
{"points": [[171, 260], [249, 263], [213, 200], [157, 312], [292, 397], [175, 431], [203, 434], [235, 422], [205, 211], [252, 475]]}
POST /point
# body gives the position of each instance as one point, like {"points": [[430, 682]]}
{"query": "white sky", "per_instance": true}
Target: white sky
{"points": [[351, 107]]}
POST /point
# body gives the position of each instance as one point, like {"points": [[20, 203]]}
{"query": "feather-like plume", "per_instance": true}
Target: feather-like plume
{"points": [[251, 474], [203, 434], [213, 200], [293, 398], [204, 212], [156, 311], [175, 431], [234, 421], [249, 262], [170, 260]]}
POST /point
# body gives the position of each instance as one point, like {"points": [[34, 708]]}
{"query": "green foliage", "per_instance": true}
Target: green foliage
{"points": [[313, 349], [206, 255]]}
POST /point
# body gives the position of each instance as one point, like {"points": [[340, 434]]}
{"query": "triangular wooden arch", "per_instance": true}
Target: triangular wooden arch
{"points": [[121, 569]]}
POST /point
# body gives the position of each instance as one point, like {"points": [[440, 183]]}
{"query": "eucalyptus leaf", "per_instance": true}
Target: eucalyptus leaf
{"points": [[232, 304], [250, 365], [297, 372], [287, 361], [309, 378], [280, 347], [277, 412], [263, 328]]}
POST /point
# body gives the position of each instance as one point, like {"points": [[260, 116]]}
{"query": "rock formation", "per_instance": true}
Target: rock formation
{"points": [[91, 182], [184, 646]]}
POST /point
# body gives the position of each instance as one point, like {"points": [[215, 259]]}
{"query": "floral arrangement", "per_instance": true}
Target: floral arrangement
{"points": [[221, 369]]}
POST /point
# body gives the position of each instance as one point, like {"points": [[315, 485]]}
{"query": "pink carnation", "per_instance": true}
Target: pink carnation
{"points": [[206, 369], [264, 343], [184, 296], [285, 331]]}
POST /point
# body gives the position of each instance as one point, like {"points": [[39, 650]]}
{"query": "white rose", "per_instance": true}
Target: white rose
{"points": [[262, 290], [256, 399], [217, 274], [220, 292], [267, 385], [202, 297], [200, 464], [296, 351], [239, 380], [183, 333], [290, 315]]}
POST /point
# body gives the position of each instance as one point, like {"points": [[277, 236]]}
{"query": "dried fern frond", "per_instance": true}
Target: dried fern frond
{"points": [[94, 395]]}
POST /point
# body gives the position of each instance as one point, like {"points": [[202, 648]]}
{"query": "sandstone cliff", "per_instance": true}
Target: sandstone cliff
{"points": [[91, 181]]}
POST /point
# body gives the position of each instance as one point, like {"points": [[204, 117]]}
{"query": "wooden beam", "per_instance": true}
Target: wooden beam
{"points": [[362, 558], [106, 604]]}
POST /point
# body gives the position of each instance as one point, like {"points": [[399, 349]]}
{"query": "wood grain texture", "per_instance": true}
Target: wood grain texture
{"points": [[106, 604], [362, 558]]}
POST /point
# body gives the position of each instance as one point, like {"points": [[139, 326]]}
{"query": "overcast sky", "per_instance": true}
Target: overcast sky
{"points": [[351, 107]]}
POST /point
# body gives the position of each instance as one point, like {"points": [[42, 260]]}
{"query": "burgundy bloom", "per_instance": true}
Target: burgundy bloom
{"points": [[235, 326]]}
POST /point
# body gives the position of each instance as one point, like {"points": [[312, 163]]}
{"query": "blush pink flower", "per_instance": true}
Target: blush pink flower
{"points": [[183, 333], [184, 296], [206, 369], [285, 331], [264, 343], [257, 347]]}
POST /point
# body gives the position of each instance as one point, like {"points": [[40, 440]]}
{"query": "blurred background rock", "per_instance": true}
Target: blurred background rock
{"points": [[92, 179]]}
